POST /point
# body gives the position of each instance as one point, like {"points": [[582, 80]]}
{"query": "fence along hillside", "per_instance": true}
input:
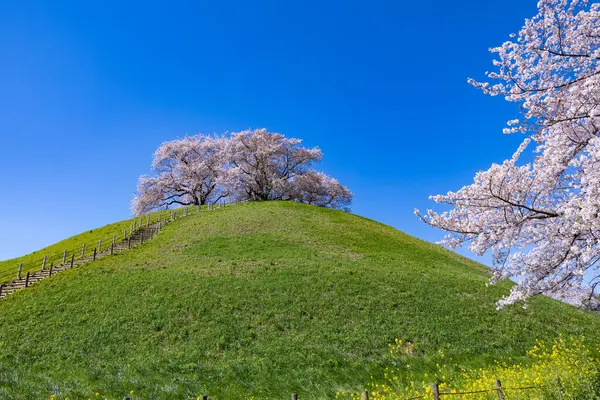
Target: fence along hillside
{"points": [[141, 229], [498, 392]]}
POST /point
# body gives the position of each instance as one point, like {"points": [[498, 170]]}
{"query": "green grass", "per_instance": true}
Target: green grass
{"points": [[262, 298]]}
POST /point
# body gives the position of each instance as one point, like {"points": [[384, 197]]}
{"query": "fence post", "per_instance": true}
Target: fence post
{"points": [[147, 221], [51, 268], [142, 239], [294, 396], [499, 390], [1, 287], [365, 395], [436, 391], [20, 270], [72, 259], [64, 256], [114, 239], [27, 280], [124, 234], [112, 248], [44, 264], [83, 250], [100, 246], [129, 242], [94, 254]]}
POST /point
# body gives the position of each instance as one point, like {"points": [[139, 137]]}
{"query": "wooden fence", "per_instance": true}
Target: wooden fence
{"points": [[498, 391], [141, 230]]}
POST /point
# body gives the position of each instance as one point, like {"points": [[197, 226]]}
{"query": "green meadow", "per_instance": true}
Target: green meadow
{"points": [[261, 299]]}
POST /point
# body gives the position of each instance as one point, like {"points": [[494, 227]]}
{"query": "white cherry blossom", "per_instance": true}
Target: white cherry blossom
{"points": [[541, 220], [247, 165]]}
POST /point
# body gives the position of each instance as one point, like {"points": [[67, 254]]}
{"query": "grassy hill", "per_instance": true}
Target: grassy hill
{"points": [[264, 299]]}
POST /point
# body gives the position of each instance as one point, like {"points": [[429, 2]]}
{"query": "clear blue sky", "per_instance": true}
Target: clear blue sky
{"points": [[88, 90]]}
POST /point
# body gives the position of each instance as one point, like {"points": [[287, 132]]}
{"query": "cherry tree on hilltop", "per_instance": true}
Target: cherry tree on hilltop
{"points": [[318, 189], [187, 172], [541, 220], [263, 164], [247, 165]]}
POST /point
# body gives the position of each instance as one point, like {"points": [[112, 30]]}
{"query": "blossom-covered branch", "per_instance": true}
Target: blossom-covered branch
{"points": [[541, 220]]}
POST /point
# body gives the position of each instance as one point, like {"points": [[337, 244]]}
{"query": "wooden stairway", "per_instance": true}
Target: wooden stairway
{"points": [[138, 237]]}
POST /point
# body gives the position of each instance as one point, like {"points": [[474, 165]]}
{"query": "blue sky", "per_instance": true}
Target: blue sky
{"points": [[88, 90]]}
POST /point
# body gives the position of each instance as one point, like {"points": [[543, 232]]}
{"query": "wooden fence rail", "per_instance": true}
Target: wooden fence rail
{"points": [[435, 393], [140, 232]]}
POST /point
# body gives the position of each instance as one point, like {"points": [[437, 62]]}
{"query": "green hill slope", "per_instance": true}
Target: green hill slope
{"points": [[261, 298]]}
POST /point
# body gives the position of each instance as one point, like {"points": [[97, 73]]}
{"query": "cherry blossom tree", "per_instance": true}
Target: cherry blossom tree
{"points": [[263, 164], [321, 190], [540, 219], [186, 172], [247, 165]]}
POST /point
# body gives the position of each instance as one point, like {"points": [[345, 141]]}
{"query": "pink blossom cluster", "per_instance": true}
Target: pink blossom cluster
{"points": [[541, 220], [247, 165]]}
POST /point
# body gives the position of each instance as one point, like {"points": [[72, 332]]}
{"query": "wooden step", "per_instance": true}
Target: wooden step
{"points": [[135, 239]]}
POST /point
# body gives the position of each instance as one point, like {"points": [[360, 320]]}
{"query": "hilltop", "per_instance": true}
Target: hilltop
{"points": [[265, 299]]}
